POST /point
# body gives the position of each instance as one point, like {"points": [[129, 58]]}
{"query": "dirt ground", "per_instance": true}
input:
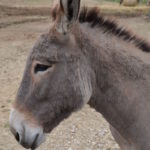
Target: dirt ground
{"points": [[85, 130], [42, 3], [42, 7]]}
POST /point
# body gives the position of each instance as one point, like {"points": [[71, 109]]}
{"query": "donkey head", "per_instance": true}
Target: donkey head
{"points": [[56, 81]]}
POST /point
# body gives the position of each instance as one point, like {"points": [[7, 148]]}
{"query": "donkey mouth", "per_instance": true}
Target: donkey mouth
{"points": [[27, 135], [29, 141]]}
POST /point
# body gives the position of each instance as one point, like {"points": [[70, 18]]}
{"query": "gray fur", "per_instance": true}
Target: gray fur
{"points": [[94, 67]]}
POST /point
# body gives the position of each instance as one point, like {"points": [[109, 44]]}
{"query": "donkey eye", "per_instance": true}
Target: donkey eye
{"points": [[41, 68]]}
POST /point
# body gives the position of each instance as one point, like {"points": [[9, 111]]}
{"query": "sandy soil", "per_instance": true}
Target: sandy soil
{"points": [[42, 3], [85, 130], [42, 7]]}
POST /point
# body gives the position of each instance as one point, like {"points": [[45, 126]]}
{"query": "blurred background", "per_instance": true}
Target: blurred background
{"points": [[21, 23]]}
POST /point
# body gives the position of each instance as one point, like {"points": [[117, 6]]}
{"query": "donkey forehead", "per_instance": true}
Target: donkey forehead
{"points": [[49, 47]]}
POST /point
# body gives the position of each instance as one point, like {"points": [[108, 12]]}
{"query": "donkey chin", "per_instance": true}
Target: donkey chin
{"points": [[27, 134]]}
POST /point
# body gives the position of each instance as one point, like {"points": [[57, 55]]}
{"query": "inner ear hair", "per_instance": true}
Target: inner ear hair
{"points": [[71, 9], [65, 13]]}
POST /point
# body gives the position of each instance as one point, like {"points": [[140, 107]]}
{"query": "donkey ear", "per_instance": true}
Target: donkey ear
{"points": [[71, 9], [67, 14]]}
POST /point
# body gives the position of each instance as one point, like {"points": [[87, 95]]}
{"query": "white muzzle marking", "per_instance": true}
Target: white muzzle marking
{"points": [[29, 136]]}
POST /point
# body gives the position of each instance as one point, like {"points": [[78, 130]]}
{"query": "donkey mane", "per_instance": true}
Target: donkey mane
{"points": [[95, 19]]}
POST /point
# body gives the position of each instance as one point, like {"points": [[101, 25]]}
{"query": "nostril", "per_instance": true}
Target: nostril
{"points": [[34, 142], [17, 137], [16, 134]]}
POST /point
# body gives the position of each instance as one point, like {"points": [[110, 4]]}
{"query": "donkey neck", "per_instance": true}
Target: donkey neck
{"points": [[122, 81]]}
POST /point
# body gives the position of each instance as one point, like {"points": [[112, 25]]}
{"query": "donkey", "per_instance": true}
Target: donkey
{"points": [[85, 59]]}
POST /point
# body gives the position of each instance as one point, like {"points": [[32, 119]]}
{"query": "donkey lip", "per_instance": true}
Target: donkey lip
{"points": [[25, 145], [31, 146]]}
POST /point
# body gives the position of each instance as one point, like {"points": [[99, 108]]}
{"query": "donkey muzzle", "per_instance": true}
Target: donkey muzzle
{"points": [[28, 135]]}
